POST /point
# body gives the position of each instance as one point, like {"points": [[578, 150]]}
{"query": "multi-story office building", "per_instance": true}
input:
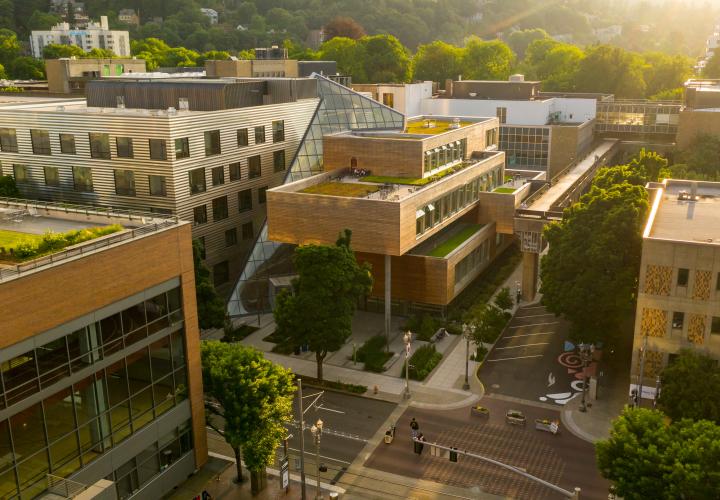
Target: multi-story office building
{"points": [[268, 66], [99, 357], [94, 36], [679, 287], [405, 97], [204, 150], [70, 75], [700, 113]]}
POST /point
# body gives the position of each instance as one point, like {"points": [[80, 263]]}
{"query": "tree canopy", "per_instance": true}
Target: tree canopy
{"points": [[211, 308], [689, 387]]}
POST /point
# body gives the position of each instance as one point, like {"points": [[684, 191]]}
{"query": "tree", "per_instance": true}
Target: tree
{"points": [[211, 308], [647, 457], [504, 300], [607, 177], [520, 40], [559, 68], [56, 51], [702, 157], [590, 272], [319, 310], [712, 69], [663, 72], [9, 47], [8, 188], [437, 62], [100, 53], [343, 26], [387, 61], [650, 164], [26, 68], [488, 322], [487, 60], [612, 70], [690, 387], [253, 398], [349, 54], [42, 20]]}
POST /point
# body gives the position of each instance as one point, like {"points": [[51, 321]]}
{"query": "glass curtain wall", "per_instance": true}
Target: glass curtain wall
{"points": [[340, 109]]}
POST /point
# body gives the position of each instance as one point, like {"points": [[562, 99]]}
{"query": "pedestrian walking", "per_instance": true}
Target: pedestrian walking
{"points": [[414, 427]]}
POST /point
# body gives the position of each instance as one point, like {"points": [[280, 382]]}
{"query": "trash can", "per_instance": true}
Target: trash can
{"points": [[388, 437]]}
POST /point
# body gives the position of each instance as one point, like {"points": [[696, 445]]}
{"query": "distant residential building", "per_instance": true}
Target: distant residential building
{"points": [[95, 36], [70, 12], [211, 14], [606, 34], [315, 38], [67, 76], [129, 16]]}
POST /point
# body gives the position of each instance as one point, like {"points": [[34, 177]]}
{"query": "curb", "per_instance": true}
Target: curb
{"points": [[567, 419]]}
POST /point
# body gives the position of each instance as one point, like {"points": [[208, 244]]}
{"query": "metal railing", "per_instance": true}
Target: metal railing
{"points": [[112, 212], [64, 487]]}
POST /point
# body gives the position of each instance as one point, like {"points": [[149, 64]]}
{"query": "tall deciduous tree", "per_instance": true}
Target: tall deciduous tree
{"points": [[483, 60], [520, 40], [647, 457], [589, 274], [248, 402], [343, 26], [612, 70], [702, 157], [437, 62], [387, 61], [349, 54], [319, 310], [690, 387], [211, 308]]}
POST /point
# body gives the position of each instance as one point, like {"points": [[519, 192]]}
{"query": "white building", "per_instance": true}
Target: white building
{"points": [[403, 97], [211, 14], [95, 36]]}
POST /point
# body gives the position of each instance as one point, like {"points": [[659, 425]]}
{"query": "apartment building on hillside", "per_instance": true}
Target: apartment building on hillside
{"points": [[93, 36], [99, 357], [206, 151]]}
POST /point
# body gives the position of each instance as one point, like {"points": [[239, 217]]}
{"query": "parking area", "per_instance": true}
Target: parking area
{"points": [[533, 359]]}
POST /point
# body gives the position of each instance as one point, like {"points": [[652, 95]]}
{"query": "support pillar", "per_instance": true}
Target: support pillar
{"points": [[388, 300], [530, 270]]}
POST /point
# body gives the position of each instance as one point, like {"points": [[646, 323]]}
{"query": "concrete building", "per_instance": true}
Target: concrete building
{"points": [[272, 62], [99, 348], [679, 287], [206, 151], [94, 36], [66, 76], [211, 14], [406, 98], [700, 112], [129, 16]]}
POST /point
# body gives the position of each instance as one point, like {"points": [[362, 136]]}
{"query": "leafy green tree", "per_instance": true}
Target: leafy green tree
{"points": [[387, 60], [649, 163], [712, 69], [319, 310], [349, 54], [689, 387], [42, 20], [647, 457], [589, 274], [488, 322], [520, 40], [248, 402], [100, 53], [559, 68], [702, 157], [343, 26], [56, 51], [607, 177], [211, 308], [612, 70], [9, 47], [437, 61], [26, 68], [487, 60], [8, 188], [504, 300], [668, 95], [663, 71]]}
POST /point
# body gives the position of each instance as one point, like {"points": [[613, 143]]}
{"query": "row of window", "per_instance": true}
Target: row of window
{"points": [[678, 321], [471, 262], [100, 143], [198, 181], [220, 205], [443, 208], [444, 156]]}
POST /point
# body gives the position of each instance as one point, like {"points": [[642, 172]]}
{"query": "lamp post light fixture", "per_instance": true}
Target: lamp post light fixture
{"points": [[407, 339], [467, 332], [316, 431], [586, 352]]}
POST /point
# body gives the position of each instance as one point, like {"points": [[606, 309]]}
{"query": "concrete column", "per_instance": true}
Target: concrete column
{"points": [[530, 269], [388, 298]]}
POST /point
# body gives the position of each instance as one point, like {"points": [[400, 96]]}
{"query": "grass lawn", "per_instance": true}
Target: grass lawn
{"points": [[349, 190], [10, 239], [419, 127], [396, 180], [452, 243], [504, 190]]}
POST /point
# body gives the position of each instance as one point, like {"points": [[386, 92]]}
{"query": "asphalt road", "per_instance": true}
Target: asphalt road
{"points": [[561, 459]]}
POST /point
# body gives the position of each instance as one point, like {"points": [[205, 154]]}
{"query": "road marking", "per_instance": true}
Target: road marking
{"points": [[321, 407], [519, 346], [519, 357], [307, 452], [534, 315], [531, 307], [534, 324], [528, 335]]}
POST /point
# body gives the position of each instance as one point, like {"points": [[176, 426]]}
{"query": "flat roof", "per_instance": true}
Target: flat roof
{"points": [[676, 216]]}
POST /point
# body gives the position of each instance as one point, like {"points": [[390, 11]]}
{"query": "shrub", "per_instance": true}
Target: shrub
{"points": [[373, 354], [338, 386], [52, 242], [236, 334], [423, 361]]}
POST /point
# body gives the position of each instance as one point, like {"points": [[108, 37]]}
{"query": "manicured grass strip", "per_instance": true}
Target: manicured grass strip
{"points": [[396, 180], [504, 190], [54, 242], [419, 127], [10, 239], [452, 243], [348, 190]]}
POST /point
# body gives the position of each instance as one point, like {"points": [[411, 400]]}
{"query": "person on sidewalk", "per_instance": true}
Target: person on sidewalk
{"points": [[414, 427]]}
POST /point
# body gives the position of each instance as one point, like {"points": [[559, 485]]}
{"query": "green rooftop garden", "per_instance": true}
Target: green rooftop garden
{"points": [[454, 241], [441, 126], [11, 239], [505, 190], [19, 247], [412, 181], [346, 189]]}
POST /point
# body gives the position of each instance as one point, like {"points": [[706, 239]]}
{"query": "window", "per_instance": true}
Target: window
{"points": [[221, 273], [245, 200], [8, 140], [99, 145], [260, 135], [279, 160], [212, 142], [124, 182], [389, 99], [235, 171], [501, 113], [40, 142], [158, 151], [254, 166], [242, 137], [247, 231], [52, 176], [21, 173], [82, 179], [197, 180], [683, 275], [200, 215], [220, 208], [715, 325], [677, 320], [157, 185], [182, 148], [124, 147], [230, 237], [218, 176], [262, 195], [278, 128], [67, 144]]}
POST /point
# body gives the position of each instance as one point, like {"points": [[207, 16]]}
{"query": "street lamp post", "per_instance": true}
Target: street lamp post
{"points": [[317, 433], [407, 338], [467, 332], [586, 352]]}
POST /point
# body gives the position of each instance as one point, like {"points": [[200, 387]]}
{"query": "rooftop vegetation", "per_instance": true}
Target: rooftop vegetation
{"points": [[29, 246], [440, 126], [11, 239], [505, 190], [412, 181], [346, 189], [450, 244]]}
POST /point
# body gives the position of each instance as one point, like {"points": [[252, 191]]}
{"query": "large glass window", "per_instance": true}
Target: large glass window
{"points": [[218, 175], [221, 273], [197, 180], [245, 200], [260, 135], [279, 160], [8, 140], [262, 195], [182, 148], [247, 231], [220, 208], [158, 149], [82, 179], [99, 145], [231, 237], [212, 142], [200, 214], [52, 176], [40, 141], [67, 144], [158, 185], [242, 137], [21, 173], [254, 166], [124, 182], [278, 128], [124, 147], [235, 171]]}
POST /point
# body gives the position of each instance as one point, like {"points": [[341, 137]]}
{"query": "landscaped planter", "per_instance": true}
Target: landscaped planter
{"points": [[479, 411], [514, 417], [551, 426]]}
